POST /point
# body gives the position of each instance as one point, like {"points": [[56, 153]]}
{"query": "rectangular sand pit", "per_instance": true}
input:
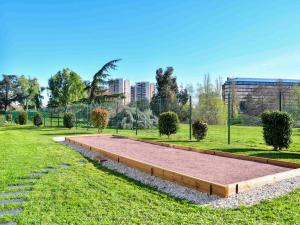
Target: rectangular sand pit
{"points": [[205, 172]]}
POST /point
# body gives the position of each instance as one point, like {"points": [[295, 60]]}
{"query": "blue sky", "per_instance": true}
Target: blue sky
{"points": [[226, 38]]}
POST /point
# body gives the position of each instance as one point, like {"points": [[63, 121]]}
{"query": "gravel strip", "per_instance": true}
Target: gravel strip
{"points": [[7, 194], [8, 223], [12, 201], [245, 198], [19, 186], [11, 212]]}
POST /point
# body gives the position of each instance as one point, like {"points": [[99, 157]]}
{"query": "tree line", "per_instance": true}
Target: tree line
{"points": [[65, 87]]}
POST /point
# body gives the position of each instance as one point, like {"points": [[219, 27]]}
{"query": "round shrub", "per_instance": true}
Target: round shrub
{"points": [[69, 120], [99, 118], [168, 123], [199, 130], [37, 119], [22, 118], [277, 129]]}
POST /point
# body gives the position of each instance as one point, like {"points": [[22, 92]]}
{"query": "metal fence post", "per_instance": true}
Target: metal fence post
{"points": [[190, 120], [159, 105], [75, 120], [136, 119], [228, 119], [280, 101], [87, 117], [51, 119], [117, 122]]}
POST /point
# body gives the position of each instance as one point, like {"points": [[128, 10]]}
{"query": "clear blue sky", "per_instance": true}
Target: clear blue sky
{"points": [[227, 38]]}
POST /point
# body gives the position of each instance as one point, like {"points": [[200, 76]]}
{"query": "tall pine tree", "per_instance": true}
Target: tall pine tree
{"points": [[165, 98]]}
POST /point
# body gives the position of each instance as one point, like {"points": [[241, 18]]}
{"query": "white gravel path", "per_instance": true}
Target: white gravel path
{"points": [[246, 198]]}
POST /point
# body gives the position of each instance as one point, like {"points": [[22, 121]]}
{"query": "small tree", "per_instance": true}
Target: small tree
{"points": [[277, 129], [99, 118], [69, 120], [37, 119], [168, 123], [200, 129], [22, 118]]}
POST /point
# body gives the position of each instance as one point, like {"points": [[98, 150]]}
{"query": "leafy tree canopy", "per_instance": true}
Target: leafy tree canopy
{"points": [[30, 90], [66, 87], [10, 91], [165, 97]]}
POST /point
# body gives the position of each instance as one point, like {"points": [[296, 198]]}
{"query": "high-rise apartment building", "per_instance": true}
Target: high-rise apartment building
{"points": [[144, 91], [132, 93], [120, 86], [126, 91]]}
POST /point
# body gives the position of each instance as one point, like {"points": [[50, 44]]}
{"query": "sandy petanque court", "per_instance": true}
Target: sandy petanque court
{"points": [[219, 170]]}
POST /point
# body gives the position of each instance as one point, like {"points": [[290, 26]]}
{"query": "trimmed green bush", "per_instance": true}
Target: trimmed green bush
{"points": [[277, 129], [200, 129], [69, 120], [99, 118], [22, 118], [37, 119], [168, 123]]}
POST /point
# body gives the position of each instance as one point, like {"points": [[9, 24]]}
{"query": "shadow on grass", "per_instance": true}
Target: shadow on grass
{"points": [[241, 150], [19, 127], [278, 155], [171, 141], [66, 133]]}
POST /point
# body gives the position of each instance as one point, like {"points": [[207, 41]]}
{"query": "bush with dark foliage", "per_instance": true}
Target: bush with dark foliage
{"points": [[69, 120], [22, 118], [200, 129], [37, 119], [168, 123], [277, 129]]}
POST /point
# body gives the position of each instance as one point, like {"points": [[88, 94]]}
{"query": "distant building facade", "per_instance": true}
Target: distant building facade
{"points": [[120, 86], [144, 91], [132, 93], [259, 89], [127, 91]]}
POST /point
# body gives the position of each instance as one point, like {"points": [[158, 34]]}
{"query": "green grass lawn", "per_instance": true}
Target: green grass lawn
{"points": [[91, 194]]}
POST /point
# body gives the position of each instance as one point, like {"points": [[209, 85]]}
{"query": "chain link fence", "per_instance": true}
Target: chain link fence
{"points": [[227, 120]]}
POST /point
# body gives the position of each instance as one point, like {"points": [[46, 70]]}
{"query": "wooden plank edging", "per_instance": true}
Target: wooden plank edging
{"points": [[242, 186]]}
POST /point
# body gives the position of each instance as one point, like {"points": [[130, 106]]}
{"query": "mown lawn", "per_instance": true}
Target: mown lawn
{"points": [[91, 194]]}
